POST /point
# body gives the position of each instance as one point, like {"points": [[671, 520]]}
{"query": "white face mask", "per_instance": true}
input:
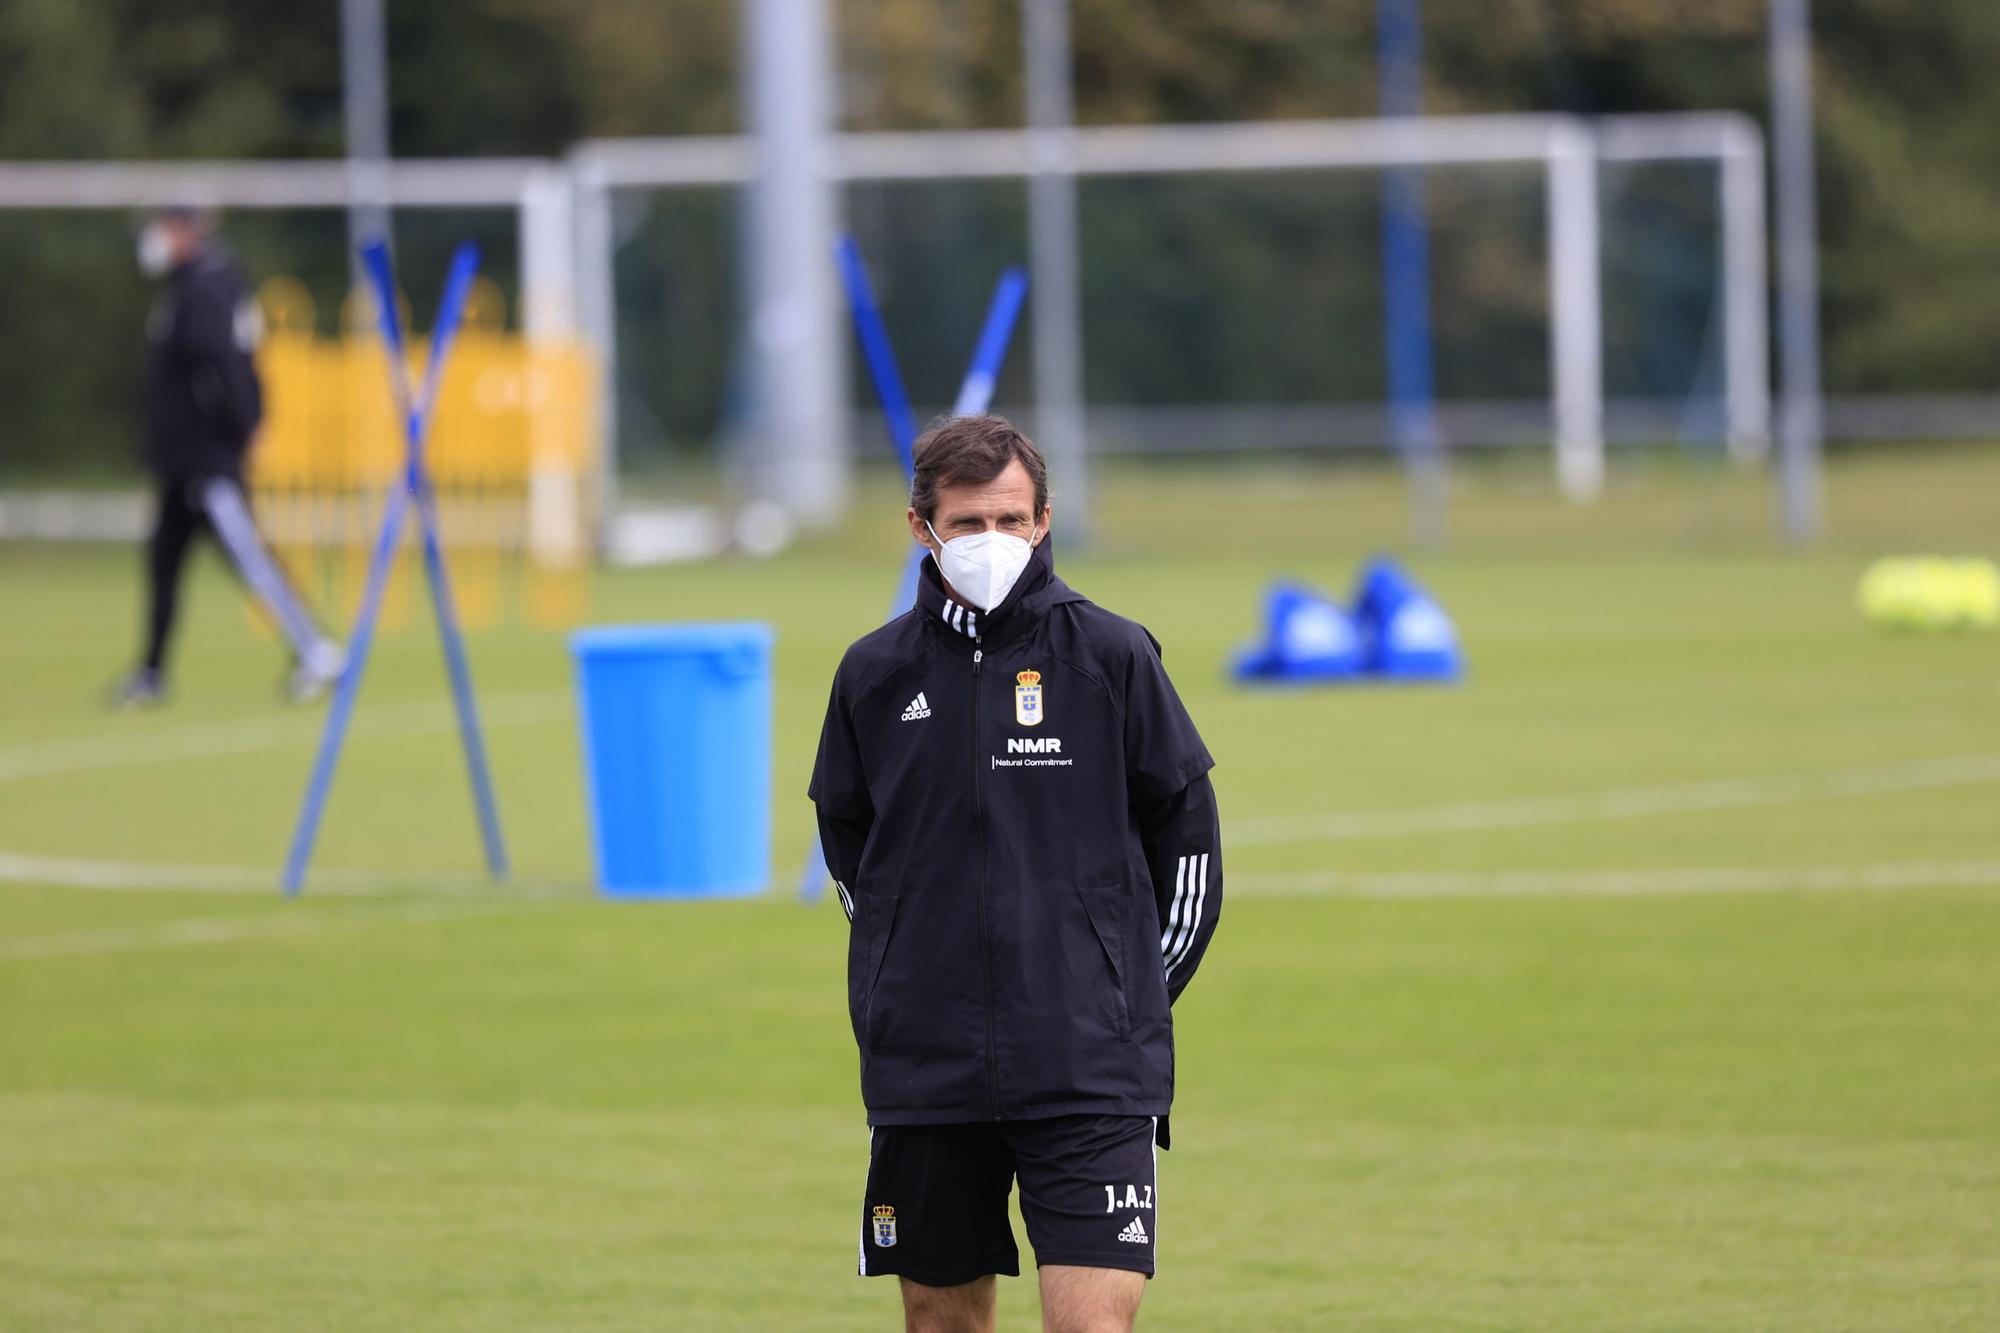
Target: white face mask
{"points": [[982, 567], [156, 250]]}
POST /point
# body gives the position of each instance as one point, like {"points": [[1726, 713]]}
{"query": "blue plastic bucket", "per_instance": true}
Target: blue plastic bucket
{"points": [[677, 757]]}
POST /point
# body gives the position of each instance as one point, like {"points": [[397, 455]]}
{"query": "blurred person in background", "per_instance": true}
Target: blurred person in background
{"points": [[1017, 814], [203, 404]]}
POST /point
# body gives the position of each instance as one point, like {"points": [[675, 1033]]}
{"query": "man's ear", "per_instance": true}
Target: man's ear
{"points": [[919, 529], [1048, 522]]}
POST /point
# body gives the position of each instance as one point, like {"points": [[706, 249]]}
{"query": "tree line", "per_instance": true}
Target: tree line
{"points": [[1254, 290]]}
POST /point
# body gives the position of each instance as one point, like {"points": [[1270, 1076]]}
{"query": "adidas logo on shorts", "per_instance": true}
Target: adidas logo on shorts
{"points": [[1135, 1231], [920, 707]]}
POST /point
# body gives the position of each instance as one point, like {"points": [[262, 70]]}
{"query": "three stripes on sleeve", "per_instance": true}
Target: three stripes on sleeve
{"points": [[1184, 918]]}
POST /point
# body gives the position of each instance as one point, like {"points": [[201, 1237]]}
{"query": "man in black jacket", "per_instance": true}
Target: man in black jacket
{"points": [[203, 407], [1018, 818]]}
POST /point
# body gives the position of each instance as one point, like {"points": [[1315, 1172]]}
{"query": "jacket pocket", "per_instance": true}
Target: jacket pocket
{"points": [[1104, 904], [880, 910]]}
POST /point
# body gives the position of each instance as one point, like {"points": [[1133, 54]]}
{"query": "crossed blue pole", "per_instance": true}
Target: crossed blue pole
{"points": [[975, 394], [414, 410]]}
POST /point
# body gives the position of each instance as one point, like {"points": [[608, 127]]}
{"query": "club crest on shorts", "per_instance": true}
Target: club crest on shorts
{"points": [[1028, 699], [885, 1225]]}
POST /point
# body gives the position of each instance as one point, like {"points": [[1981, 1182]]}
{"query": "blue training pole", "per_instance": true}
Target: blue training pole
{"points": [[470, 737], [975, 394], [1406, 298], [342, 708], [417, 410], [878, 352], [451, 314], [415, 413]]}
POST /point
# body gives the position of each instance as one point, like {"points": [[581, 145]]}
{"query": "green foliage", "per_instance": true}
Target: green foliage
{"points": [[1197, 292]]}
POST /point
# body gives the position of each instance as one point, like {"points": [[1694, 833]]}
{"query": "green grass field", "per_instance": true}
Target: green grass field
{"points": [[1649, 981]]}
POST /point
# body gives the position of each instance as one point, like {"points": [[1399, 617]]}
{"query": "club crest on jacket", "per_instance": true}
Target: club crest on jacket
{"points": [[1028, 698]]}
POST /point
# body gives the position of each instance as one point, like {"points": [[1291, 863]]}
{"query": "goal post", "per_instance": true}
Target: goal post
{"points": [[1569, 150], [569, 237], [1736, 145]]}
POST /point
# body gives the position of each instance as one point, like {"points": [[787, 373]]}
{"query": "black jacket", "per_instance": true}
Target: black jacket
{"points": [[1017, 815], [203, 401]]}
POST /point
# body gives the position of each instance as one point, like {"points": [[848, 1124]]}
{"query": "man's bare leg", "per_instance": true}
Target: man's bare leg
{"points": [[966, 1308], [1090, 1300]]}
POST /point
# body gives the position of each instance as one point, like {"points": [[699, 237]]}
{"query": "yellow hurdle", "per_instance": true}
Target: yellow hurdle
{"points": [[511, 453]]}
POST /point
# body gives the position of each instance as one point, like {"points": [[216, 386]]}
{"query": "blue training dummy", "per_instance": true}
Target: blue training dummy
{"points": [[1405, 634], [1396, 632], [1307, 637]]}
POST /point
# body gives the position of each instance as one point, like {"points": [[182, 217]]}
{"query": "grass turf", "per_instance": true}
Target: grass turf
{"points": [[431, 1106]]}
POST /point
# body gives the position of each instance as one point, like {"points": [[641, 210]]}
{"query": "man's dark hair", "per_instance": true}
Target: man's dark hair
{"points": [[971, 451]]}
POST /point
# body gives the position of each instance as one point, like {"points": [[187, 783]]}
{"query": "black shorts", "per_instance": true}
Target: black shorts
{"points": [[936, 1208]]}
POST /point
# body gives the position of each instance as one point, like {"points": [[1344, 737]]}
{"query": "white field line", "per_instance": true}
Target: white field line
{"points": [[113, 750], [1618, 883], [231, 930], [76, 873], [180, 877], [1619, 803]]}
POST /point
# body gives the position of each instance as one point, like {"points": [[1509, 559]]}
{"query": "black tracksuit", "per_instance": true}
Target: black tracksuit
{"points": [[202, 409], [1017, 813], [203, 401]]}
